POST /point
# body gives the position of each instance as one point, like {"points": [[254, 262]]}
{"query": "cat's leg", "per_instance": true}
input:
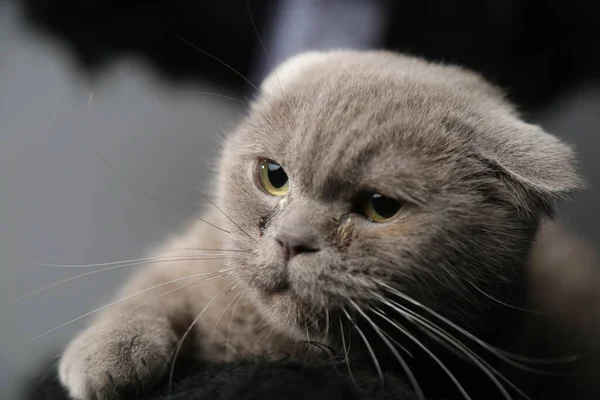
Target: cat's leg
{"points": [[128, 349]]}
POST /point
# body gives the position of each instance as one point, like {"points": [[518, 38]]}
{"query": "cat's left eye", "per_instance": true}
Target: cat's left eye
{"points": [[377, 207], [272, 178]]}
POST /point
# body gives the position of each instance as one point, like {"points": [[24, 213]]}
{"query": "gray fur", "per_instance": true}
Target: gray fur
{"points": [[475, 178]]}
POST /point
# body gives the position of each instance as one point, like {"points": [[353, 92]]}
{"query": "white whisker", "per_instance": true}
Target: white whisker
{"points": [[501, 354], [153, 197], [346, 352], [429, 353], [97, 271], [189, 329], [409, 374], [489, 296], [369, 348], [121, 300], [135, 260], [224, 310], [209, 55], [232, 316]]}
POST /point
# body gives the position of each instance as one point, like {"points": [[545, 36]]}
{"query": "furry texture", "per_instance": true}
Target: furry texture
{"points": [[255, 380], [473, 180]]}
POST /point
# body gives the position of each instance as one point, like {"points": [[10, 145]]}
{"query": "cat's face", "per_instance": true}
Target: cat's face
{"points": [[356, 172]]}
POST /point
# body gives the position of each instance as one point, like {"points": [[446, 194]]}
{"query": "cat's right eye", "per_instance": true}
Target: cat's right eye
{"points": [[272, 178], [377, 207]]}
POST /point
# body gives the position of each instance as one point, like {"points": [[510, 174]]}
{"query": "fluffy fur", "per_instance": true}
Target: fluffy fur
{"points": [[446, 276], [254, 380]]}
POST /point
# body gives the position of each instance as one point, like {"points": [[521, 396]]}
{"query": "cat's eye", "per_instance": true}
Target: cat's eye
{"points": [[377, 207], [272, 178]]}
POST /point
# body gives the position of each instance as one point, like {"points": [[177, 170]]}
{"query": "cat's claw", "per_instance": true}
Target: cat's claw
{"points": [[117, 361]]}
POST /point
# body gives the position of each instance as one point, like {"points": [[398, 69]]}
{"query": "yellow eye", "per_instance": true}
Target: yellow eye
{"points": [[272, 178], [379, 208]]}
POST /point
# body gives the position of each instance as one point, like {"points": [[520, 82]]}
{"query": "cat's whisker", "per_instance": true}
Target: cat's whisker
{"points": [[454, 345], [263, 45], [207, 198], [369, 348], [428, 352], [327, 323], [346, 352], [308, 341], [398, 345], [131, 296], [256, 326], [431, 327], [153, 197], [209, 55], [262, 343], [189, 329], [224, 310], [489, 296], [154, 260], [103, 264], [233, 315], [405, 367], [414, 317], [175, 290], [222, 96], [201, 249], [501, 354]]}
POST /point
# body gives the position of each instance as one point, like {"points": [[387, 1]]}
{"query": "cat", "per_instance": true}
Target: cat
{"points": [[373, 204]]}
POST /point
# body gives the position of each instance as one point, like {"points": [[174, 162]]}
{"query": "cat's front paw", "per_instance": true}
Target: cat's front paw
{"points": [[118, 360]]}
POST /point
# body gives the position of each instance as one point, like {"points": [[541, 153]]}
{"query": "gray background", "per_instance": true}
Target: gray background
{"points": [[60, 204]]}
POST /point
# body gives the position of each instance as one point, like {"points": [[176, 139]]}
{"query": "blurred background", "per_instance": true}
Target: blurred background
{"points": [[139, 84]]}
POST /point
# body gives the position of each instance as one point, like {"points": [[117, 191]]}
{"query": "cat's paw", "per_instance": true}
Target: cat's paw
{"points": [[118, 360]]}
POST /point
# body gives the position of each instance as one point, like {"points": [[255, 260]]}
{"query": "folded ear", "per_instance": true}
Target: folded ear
{"points": [[537, 168]]}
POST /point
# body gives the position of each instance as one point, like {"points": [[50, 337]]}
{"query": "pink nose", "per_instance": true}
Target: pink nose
{"points": [[293, 245]]}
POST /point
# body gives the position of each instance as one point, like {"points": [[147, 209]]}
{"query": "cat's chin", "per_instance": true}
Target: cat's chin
{"points": [[288, 311]]}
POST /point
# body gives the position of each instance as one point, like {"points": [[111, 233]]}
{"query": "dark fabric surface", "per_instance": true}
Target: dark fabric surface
{"points": [[253, 380]]}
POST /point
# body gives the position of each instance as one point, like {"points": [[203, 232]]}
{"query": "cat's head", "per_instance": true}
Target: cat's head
{"points": [[359, 173]]}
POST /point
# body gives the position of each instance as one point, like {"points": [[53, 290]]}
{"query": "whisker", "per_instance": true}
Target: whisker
{"points": [[404, 349], [369, 348], [405, 367], [346, 351], [215, 95], [223, 212], [493, 350], [267, 337], [209, 55], [502, 354], [321, 346], [135, 260], [189, 329], [327, 323], [489, 296], [175, 290], [150, 195], [429, 353], [126, 298], [460, 347], [485, 367], [232, 316], [256, 326], [262, 44], [474, 357], [224, 310], [97, 271]]}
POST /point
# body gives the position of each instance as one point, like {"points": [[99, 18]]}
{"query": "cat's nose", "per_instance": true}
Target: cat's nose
{"points": [[294, 244]]}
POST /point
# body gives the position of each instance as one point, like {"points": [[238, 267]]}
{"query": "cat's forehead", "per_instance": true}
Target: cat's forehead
{"points": [[340, 122]]}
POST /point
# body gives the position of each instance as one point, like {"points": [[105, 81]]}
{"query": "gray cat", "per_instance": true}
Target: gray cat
{"points": [[367, 197]]}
